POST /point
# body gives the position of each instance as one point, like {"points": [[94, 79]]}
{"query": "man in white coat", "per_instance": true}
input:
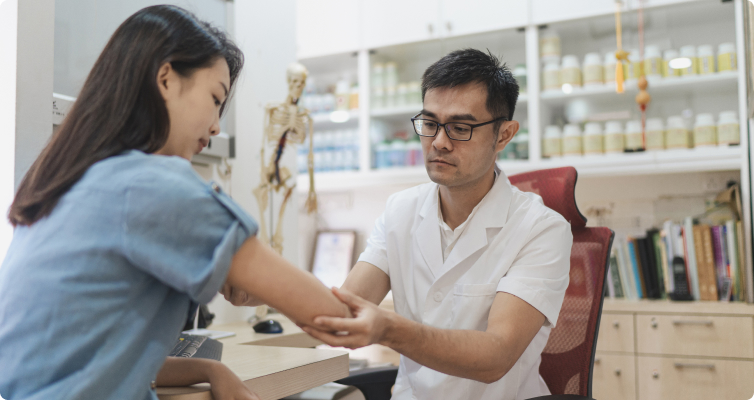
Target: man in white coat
{"points": [[478, 268]]}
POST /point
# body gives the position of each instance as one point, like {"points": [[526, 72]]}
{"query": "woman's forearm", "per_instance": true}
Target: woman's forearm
{"points": [[269, 277], [179, 371]]}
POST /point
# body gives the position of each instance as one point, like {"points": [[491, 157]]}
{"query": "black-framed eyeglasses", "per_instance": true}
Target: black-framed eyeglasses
{"points": [[456, 130]]}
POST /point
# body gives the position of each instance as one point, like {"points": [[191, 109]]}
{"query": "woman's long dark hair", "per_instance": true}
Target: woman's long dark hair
{"points": [[120, 106]]}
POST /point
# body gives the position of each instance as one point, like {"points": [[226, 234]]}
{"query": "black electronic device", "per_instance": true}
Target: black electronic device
{"points": [[268, 326], [197, 346]]}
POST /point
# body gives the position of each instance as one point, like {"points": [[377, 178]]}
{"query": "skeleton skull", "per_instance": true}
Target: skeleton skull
{"points": [[296, 76]]}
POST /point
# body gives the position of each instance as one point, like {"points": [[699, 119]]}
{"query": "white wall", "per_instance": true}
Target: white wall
{"points": [[8, 45]]}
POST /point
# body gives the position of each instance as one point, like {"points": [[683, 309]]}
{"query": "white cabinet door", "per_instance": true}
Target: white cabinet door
{"points": [[472, 16], [326, 27], [387, 22], [544, 11]]}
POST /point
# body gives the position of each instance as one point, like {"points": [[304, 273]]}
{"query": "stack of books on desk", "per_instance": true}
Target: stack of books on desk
{"points": [[682, 261]]}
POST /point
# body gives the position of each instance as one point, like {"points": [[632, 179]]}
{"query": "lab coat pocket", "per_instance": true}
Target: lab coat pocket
{"points": [[471, 305]]}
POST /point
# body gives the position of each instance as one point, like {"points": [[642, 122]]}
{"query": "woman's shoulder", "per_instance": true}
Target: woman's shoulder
{"points": [[134, 168]]}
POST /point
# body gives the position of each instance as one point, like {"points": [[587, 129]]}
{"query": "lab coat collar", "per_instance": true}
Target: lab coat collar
{"points": [[492, 214]]}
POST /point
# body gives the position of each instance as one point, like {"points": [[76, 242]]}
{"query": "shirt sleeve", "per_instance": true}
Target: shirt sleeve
{"points": [[376, 251], [183, 231], [540, 273]]}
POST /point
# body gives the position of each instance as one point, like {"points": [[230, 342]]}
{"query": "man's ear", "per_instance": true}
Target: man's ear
{"points": [[507, 130], [166, 80]]}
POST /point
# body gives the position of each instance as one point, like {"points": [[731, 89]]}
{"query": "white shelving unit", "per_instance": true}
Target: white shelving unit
{"points": [[582, 28]]}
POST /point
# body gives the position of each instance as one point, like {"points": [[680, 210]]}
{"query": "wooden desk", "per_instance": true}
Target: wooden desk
{"points": [[267, 366]]}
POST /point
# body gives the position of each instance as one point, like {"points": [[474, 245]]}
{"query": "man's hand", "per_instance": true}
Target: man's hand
{"points": [[238, 297], [367, 327]]}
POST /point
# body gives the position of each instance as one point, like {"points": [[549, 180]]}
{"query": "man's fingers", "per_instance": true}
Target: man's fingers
{"points": [[350, 299], [330, 339], [336, 324]]}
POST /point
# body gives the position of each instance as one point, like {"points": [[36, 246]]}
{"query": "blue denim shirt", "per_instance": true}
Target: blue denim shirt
{"points": [[93, 296]]}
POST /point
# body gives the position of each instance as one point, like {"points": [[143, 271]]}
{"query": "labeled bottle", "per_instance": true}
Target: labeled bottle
{"points": [[549, 46], [572, 140], [705, 131], [593, 139], [353, 99], [667, 70], [570, 71], [615, 139], [655, 135], [552, 142], [593, 70], [726, 57], [652, 62], [677, 134], [414, 93], [635, 67], [706, 59], [522, 144], [401, 96], [609, 68], [690, 53], [391, 74], [728, 129], [551, 79], [378, 75], [634, 139], [520, 74]]}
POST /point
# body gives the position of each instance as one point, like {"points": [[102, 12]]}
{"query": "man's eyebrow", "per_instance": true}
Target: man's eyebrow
{"points": [[428, 113], [462, 117]]}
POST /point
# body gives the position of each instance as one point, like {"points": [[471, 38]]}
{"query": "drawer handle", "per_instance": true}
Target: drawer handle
{"points": [[617, 372], [710, 367], [705, 323], [653, 323], [656, 375], [597, 360], [616, 324]]}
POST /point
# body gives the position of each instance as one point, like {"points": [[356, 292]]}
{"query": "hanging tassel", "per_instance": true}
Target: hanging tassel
{"points": [[620, 55]]}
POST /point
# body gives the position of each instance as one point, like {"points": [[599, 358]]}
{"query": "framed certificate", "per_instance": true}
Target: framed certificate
{"points": [[333, 256]]}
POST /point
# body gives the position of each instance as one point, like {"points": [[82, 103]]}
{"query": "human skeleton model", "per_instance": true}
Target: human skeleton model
{"points": [[284, 123]]}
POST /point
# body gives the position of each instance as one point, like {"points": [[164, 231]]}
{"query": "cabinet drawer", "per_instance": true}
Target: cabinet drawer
{"points": [[691, 379], [616, 333], [695, 335], [614, 377]]}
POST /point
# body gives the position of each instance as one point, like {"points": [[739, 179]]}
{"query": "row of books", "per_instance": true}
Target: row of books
{"points": [[681, 261]]}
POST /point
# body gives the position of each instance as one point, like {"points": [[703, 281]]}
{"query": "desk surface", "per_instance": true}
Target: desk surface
{"points": [[272, 365]]}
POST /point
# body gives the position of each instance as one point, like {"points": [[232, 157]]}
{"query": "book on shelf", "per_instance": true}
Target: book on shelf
{"points": [[690, 260]]}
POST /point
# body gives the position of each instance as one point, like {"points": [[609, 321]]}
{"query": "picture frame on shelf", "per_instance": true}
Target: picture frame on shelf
{"points": [[333, 256]]}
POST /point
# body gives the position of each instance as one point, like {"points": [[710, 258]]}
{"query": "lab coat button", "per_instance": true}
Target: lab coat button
{"points": [[215, 187], [438, 297]]}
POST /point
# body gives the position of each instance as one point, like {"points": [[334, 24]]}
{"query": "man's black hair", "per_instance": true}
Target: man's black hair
{"points": [[471, 65]]}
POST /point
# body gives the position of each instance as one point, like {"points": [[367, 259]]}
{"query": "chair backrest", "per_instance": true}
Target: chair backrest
{"points": [[568, 357]]}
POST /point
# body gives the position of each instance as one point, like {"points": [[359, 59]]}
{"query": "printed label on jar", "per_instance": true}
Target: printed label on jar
{"points": [[653, 66], [551, 147], [614, 143], [705, 136], [634, 141], [655, 140], [550, 46], [593, 144], [728, 134], [706, 65], [572, 145], [593, 74], [726, 62], [677, 139], [552, 80], [570, 76], [610, 73]]}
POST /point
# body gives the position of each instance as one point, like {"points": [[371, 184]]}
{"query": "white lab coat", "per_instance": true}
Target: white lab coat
{"points": [[512, 244]]}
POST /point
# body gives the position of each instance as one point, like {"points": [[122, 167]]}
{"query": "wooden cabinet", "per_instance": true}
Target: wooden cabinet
{"points": [[650, 350]]}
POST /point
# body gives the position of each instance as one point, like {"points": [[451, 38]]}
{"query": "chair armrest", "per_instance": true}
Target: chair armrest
{"points": [[562, 397], [374, 383]]}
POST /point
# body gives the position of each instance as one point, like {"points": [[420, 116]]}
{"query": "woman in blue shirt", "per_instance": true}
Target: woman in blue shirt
{"points": [[115, 235]]}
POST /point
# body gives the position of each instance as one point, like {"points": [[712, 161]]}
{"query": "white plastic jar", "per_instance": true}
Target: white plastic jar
{"points": [[593, 139], [655, 135], [706, 59], [572, 140], [635, 66], [391, 74], [593, 70], [552, 142], [690, 53], [667, 71], [677, 134], [728, 129], [615, 138], [726, 57], [570, 71], [549, 46], [551, 78], [705, 131], [609, 68], [634, 139], [652, 62]]}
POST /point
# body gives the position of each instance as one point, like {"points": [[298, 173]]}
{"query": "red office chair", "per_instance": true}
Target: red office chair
{"points": [[568, 357]]}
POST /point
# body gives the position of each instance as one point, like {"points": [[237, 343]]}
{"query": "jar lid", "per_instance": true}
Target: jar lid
{"points": [[652, 52], [705, 119], [670, 54], [655, 124], [610, 58], [724, 48], [571, 130], [552, 131], [676, 122], [705, 51], [728, 117], [570, 61], [613, 127], [593, 128], [592, 58], [633, 127], [688, 51]]}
